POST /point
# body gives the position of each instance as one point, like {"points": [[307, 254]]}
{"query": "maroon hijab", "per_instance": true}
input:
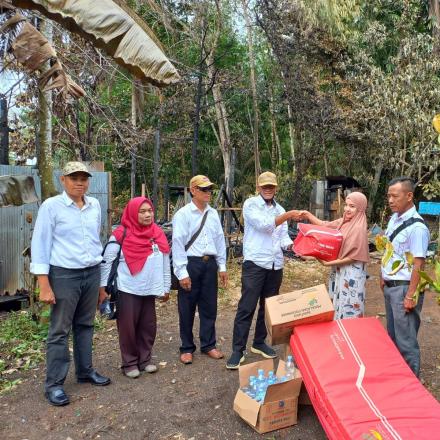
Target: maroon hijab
{"points": [[139, 239]]}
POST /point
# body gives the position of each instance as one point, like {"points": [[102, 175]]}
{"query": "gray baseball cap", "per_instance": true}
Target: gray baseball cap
{"points": [[75, 167]]}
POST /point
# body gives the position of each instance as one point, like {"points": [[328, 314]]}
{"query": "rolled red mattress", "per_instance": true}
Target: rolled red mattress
{"points": [[359, 384]]}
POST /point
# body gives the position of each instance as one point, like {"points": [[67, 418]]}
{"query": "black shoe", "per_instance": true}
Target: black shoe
{"points": [[264, 350], [235, 360], [95, 379], [57, 397]]}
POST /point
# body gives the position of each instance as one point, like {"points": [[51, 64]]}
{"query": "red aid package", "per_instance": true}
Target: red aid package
{"points": [[317, 241]]}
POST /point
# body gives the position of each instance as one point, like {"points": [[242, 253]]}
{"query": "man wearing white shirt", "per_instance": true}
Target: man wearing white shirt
{"points": [[196, 268], [403, 313], [265, 237], [66, 255]]}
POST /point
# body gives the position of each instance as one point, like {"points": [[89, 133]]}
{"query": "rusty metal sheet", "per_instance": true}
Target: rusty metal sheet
{"points": [[17, 190]]}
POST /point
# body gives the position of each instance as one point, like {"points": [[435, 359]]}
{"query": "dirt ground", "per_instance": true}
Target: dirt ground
{"points": [[181, 402]]}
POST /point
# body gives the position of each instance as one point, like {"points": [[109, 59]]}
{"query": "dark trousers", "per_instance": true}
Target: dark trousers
{"points": [[137, 329], [403, 326], [257, 284], [203, 295], [76, 295]]}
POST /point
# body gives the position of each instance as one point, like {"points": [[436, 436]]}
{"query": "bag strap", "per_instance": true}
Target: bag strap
{"points": [[197, 233], [116, 242], [405, 225]]}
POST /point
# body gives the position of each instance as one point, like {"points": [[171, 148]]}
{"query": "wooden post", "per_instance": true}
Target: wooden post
{"points": [[143, 190]]}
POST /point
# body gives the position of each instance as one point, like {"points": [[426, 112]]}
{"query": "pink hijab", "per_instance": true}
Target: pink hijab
{"points": [[354, 231]]}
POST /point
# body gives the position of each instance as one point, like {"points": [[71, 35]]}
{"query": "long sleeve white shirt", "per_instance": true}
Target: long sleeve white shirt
{"points": [[263, 241], [154, 278], [211, 240], [65, 235], [414, 239]]}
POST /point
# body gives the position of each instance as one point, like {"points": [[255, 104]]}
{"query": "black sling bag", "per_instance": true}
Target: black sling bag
{"points": [[112, 281], [404, 225]]}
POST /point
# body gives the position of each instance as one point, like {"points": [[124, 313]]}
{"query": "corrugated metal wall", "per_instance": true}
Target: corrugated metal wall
{"points": [[15, 232]]}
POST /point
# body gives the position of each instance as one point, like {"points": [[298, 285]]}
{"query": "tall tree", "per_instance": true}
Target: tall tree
{"points": [[253, 80], [44, 134]]}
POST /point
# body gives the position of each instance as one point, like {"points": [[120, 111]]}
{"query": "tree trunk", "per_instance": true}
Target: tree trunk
{"points": [[254, 88], [374, 188], [434, 15], [221, 115], [291, 126], [4, 132], [276, 146], [198, 100], [156, 168], [156, 161], [134, 107], [44, 153]]}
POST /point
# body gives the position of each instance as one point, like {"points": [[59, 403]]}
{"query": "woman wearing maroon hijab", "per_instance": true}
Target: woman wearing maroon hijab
{"points": [[349, 270], [143, 275]]}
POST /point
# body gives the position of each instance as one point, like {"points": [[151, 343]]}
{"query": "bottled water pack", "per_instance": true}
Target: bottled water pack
{"points": [[257, 385]]}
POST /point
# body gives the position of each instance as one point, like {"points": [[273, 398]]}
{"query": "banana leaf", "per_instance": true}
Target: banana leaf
{"points": [[115, 28], [389, 251]]}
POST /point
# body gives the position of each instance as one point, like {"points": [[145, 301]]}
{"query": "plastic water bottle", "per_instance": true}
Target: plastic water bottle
{"points": [[105, 309], [261, 386], [290, 367], [271, 378], [252, 387]]}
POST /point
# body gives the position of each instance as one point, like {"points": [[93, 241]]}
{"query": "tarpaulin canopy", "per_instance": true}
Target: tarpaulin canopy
{"points": [[112, 26]]}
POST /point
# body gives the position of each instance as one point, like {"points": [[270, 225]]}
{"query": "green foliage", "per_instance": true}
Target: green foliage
{"points": [[431, 189], [361, 79], [21, 346]]}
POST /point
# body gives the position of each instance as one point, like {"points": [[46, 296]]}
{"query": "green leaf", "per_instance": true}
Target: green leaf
{"points": [[437, 270], [426, 277], [409, 259], [389, 251], [396, 264]]}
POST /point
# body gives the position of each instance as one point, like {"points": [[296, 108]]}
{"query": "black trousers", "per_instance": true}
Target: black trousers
{"points": [[76, 294], [257, 284], [203, 295]]}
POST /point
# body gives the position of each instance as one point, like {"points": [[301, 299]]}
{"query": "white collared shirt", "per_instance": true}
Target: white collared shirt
{"points": [[263, 241], [211, 240], [414, 239], [65, 235], [153, 279]]}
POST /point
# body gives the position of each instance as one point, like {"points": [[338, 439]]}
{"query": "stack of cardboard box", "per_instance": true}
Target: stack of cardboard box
{"points": [[283, 313]]}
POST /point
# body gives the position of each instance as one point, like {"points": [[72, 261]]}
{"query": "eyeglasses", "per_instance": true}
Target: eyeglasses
{"points": [[205, 189]]}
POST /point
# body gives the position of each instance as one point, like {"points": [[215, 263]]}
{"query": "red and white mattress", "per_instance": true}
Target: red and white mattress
{"points": [[359, 384]]}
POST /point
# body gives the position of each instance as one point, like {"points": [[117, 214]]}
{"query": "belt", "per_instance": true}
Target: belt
{"points": [[395, 283], [204, 258], [77, 269]]}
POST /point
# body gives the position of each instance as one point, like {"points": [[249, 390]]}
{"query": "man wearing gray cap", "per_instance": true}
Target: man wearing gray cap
{"points": [[265, 237], [66, 257]]}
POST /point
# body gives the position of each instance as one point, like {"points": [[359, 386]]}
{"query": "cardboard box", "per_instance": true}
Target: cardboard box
{"points": [[306, 306], [280, 406]]}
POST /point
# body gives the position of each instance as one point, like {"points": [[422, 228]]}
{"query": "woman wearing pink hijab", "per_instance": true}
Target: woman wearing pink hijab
{"points": [[349, 274], [143, 276]]}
